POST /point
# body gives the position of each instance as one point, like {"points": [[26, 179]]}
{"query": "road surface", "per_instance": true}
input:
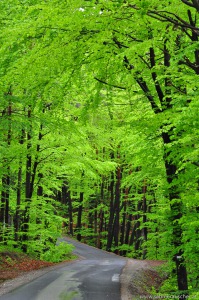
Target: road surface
{"points": [[96, 276]]}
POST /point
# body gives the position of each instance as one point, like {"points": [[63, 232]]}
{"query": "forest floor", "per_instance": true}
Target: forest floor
{"points": [[137, 279], [140, 278]]}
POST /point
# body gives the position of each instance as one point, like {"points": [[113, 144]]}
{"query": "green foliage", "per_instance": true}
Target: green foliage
{"points": [[86, 94], [57, 253]]}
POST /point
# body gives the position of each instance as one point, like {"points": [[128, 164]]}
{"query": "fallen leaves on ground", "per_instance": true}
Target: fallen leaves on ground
{"points": [[14, 264]]}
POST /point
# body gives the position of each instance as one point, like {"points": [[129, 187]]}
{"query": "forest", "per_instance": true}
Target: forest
{"points": [[99, 129]]}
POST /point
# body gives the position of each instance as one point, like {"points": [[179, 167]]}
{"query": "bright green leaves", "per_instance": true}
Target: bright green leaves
{"points": [[104, 80]]}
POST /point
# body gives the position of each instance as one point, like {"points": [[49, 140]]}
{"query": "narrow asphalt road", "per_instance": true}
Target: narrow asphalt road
{"points": [[96, 276]]}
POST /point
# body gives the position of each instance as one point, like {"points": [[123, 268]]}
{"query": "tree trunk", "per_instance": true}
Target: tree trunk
{"points": [[79, 216], [176, 214], [101, 222], [166, 103], [101, 217], [5, 194], [19, 185], [17, 214], [144, 230], [136, 232], [123, 227], [111, 215], [116, 228], [28, 192], [95, 225], [128, 228], [4, 213], [124, 216], [66, 198]]}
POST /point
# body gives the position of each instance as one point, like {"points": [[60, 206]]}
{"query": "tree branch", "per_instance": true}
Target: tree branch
{"points": [[195, 3], [147, 93], [176, 20], [113, 85], [191, 65], [154, 75], [187, 3]]}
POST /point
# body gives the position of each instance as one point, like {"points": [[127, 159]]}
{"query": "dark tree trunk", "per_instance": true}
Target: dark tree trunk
{"points": [[40, 194], [144, 230], [111, 215], [28, 192], [66, 199], [17, 214], [128, 228], [133, 234], [4, 211], [165, 99], [90, 220], [176, 215], [136, 234], [5, 194], [95, 225], [101, 217], [176, 204], [36, 161], [101, 222], [166, 103], [31, 170], [40, 187], [19, 186], [123, 227], [79, 216], [70, 212], [116, 228], [124, 216]]}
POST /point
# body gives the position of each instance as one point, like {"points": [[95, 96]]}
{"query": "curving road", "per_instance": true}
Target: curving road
{"points": [[95, 277]]}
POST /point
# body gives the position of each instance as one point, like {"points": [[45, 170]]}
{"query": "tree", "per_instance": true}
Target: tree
{"points": [[112, 101], [163, 90]]}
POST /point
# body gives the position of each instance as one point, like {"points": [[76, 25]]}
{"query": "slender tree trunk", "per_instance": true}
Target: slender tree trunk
{"points": [[101, 216], [5, 194], [40, 187], [111, 215], [144, 230], [138, 235], [128, 228], [70, 212], [28, 185], [124, 217], [95, 225], [31, 170], [17, 214], [67, 200], [123, 227], [100, 230], [133, 234], [90, 221], [4, 211], [19, 185], [116, 229], [136, 232], [36, 161], [79, 216]]}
